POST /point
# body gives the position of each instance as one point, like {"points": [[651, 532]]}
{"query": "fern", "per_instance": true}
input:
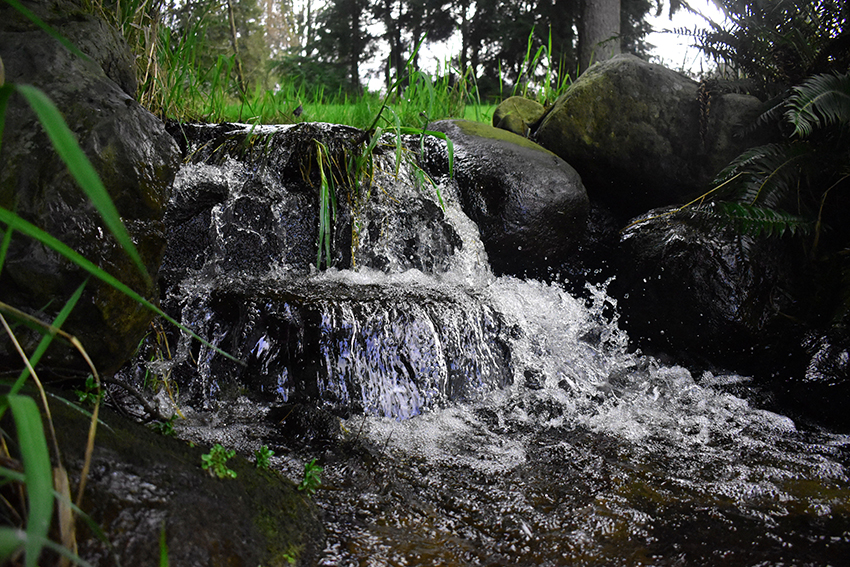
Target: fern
{"points": [[760, 221], [747, 220], [768, 176], [821, 101], [778, 40]]}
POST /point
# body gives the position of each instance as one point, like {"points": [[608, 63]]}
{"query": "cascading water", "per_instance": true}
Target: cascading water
{"points": [[485, 420]]}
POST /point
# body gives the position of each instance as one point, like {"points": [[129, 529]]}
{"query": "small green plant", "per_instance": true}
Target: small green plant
{"points": [[263, 454], [91, 393], [165, 427], [312, 479], [216, 462]]}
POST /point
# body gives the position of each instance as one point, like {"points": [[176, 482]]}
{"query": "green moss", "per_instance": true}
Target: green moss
{"points": [[484, 131]]}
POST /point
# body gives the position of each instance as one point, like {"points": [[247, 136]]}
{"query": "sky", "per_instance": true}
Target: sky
{"points": [[671, 50], [677, 52]]}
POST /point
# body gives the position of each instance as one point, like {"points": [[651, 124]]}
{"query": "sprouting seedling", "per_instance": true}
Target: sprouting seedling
{"points": [[165, 427], [216, 462], [91, 393], [312, 479], [263, 455]]}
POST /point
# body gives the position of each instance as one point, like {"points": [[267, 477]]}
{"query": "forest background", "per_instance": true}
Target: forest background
{"points": [[273, 60]]}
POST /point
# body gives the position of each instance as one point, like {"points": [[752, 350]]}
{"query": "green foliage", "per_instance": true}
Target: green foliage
{"points": [[216, 462], [263, 456], [163, 547], [789, 187], [91, 393], [354, 168], [327, 202], [821, 101], [312, 478], [752, 220], [38, 479], [165, 427], [778, 41], [543, 86], [800, 172], [767, 175]]}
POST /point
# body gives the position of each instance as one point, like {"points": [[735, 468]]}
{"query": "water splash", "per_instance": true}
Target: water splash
{"points": [[488, 420]]}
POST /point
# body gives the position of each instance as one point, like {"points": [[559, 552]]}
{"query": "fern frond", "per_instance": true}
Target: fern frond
{"points": [[752, 220], [758, 221], [767, 176], [820, 101], [772, 115]]}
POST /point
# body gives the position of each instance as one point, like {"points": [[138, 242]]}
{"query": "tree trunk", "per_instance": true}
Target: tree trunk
{"points": [[598, 31], [240, 77]]}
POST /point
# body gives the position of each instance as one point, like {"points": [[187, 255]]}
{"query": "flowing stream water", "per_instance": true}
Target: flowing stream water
{"points": [[467, 419]]}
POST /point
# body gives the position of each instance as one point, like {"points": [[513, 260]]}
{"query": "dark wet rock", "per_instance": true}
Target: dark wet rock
{"points": [[257, 192], [142, 483], [637, 134], [530, 205], [703, 292], [518, 114], [821, 395], [134, 156], [304, 425], [337, 346]]}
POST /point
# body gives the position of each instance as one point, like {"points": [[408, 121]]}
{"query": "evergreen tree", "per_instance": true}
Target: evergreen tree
{"points": [[229, 28], [343, 39]]}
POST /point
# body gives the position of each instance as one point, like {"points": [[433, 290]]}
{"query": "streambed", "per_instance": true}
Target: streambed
{"points": [[463, 418], [599, 457]]}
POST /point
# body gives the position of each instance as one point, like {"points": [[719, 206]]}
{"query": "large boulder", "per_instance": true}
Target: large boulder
{"points": [[640, 136], [143, 486], [706, 293], [130, 150], [518, 114], [819, 388], [530, 205]]}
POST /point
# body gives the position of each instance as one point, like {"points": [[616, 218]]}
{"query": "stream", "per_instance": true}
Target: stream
{"points": [[467, 419]]}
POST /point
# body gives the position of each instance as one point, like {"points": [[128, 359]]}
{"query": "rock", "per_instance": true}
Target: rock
{"points": [[821, 395], [530, 206], [249, 212], [129, 148], [704, 293], [142, 484], [633, 130], [385, 349], [518, 114]]}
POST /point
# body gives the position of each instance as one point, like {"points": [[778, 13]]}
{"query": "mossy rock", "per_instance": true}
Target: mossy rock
{"points": [[530, 205], [518, 114], [129, 149], [142, 483], [639, 136]]}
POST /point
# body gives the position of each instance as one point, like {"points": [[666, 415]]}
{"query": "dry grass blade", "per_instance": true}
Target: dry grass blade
{"points": [[67, 530]]}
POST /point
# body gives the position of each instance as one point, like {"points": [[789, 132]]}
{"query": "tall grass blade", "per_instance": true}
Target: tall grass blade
{"points": [[11, 540], [37, 469], [163, 547], [39, 351], [4, 248], [81, 169]]}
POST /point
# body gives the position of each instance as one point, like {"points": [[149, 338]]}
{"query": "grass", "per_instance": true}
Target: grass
{"points": [[207, 98]]}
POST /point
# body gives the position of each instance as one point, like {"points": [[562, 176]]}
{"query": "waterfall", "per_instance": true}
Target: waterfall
{"points": [[482, 419]]}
